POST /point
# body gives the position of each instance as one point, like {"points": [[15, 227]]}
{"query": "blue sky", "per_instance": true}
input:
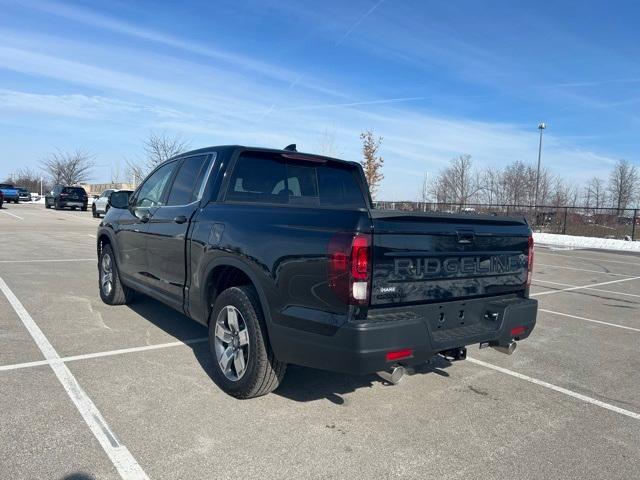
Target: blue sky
{"points": [[435, 79]]}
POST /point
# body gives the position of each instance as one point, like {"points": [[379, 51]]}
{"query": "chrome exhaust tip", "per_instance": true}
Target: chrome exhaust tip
{"points": [[507, 349], [394, 375]]}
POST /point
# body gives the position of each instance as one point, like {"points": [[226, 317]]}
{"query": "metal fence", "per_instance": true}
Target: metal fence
{"points": [[569, 220]]}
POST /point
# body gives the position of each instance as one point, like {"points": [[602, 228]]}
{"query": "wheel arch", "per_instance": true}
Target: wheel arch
{"points": [[226, 272]]}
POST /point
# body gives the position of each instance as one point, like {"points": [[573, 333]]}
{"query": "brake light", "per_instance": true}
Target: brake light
{"points": [[530, 262], [517, 331], [350, 267], [399, 354]]}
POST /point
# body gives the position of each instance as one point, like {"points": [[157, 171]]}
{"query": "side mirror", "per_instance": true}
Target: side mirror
{"points": [[119, 200], [95, 197]]}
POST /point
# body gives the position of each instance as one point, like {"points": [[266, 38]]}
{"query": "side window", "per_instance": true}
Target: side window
{"points": [[186, 186], [339, 187], [258, 179], [150, 193]]}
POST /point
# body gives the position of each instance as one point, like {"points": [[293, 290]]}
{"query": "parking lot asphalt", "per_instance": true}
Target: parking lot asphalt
{"points": [[127, 389]]}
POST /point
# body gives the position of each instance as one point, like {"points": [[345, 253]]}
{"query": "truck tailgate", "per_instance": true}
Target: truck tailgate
{"points": [[419, 258]]}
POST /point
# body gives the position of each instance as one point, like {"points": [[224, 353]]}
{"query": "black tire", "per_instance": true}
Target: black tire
{"points": [[73, 208], [93, 212], [56, 206], [84, 209], [118, 294], [263, 371], [46, 204]]}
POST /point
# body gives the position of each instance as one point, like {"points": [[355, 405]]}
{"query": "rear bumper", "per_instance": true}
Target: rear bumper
{"points": [[72, 203], [360, 348]]}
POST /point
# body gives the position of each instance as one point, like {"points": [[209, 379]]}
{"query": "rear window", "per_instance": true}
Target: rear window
{"points": [[76, 190], [268, 178]]}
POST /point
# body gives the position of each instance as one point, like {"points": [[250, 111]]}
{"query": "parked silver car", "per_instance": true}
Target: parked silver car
{"points": [[101, 204]]}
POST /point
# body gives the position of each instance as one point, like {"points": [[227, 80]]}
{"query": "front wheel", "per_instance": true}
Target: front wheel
{"points": [[112, 291], [244, 364], [93, 212]]}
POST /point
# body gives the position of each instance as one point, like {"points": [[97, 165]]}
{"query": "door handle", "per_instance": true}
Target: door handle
{"points": [[180, 219]]}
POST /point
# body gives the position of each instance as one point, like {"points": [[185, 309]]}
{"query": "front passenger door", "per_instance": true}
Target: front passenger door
{"points": [[168, 227], [133, 223]]}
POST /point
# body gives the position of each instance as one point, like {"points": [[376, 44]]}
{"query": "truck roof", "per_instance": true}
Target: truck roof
{"points": [[231, 149]]}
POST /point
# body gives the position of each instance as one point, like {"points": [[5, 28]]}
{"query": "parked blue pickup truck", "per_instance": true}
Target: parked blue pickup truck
{"points": [[10, 193]]}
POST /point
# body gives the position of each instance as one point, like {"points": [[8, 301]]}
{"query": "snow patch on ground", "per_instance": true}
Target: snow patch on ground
{"points": [[566, 242]]}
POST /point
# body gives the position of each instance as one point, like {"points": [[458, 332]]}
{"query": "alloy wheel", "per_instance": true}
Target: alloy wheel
{"points": [[106, 274], [231, 343]]}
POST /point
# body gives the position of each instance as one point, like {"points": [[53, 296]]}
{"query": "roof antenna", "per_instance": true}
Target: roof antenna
{"points": [[291, 148]]}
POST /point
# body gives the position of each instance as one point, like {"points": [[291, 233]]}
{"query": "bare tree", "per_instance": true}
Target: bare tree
{"points": [[327, 144], [623, 184], [157, 148], [423, 195], [595, 195], [116, 176], [27, 178], [68, 168], [490, 189], [372, 163], [458, 183]]}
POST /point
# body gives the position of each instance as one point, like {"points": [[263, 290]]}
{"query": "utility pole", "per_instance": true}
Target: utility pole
{"points": [[541, 126]]}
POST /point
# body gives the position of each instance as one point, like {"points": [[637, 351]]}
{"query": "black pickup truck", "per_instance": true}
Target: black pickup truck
{"points": [[283, 257]]}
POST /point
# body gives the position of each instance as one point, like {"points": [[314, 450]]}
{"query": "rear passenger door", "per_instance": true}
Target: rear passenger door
{"points": [[168, 226]]}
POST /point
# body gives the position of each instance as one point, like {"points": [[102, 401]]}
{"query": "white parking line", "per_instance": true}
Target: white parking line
{"points": [[122, 460], [593, 259], [571, 289], [581, 270], [571, 393], [108, 353], [586, 288], [8, 213], [589, 320], [46, 260]]}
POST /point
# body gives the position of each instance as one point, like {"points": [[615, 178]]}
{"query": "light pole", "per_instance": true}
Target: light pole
{"points": [[541, 127]]}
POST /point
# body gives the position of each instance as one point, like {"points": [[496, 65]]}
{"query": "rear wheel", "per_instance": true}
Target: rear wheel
{"points": [[112, 291], [84, 209], [244, 365]]}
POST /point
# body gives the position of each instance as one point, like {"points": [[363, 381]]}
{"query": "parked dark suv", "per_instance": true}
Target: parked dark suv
{"points": [[66, 197]]}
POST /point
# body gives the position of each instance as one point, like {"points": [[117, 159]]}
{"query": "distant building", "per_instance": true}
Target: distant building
{"points": [[98, 188]]}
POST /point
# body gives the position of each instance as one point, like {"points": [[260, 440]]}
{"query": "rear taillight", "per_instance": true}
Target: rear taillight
{"points": [[530, 262], [350, 267]]}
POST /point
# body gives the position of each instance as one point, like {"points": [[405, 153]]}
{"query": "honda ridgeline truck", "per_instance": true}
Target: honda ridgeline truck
{"points": [[282, 255]]}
